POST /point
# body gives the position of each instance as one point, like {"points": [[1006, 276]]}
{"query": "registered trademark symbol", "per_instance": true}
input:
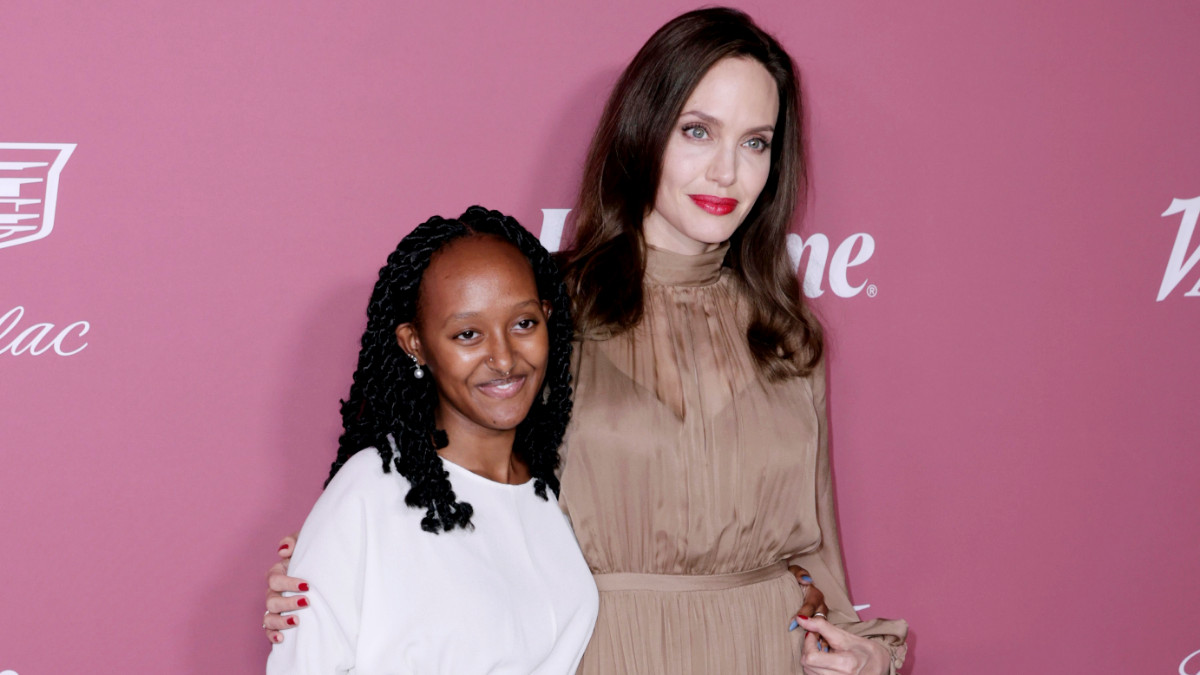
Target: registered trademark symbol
{"points": [[872, 290]]}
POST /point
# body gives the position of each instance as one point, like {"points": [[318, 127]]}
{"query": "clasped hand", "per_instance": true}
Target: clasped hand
{"points": [[829, 650]]}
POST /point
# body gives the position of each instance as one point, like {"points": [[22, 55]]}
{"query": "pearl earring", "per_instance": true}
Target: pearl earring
{"points": [[418, 371]]}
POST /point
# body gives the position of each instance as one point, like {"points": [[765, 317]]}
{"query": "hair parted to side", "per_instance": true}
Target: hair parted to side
{"points": [[393, 411], [622, 172]]}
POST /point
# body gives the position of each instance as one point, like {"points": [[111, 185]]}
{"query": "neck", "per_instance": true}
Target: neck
{"points": [[680, 244], [482, 451], [658, 233]]}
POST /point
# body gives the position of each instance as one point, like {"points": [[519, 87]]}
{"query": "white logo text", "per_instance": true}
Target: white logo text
{"points": [[1177, 268], [40, 338], [852, 252], [1183, 664]]}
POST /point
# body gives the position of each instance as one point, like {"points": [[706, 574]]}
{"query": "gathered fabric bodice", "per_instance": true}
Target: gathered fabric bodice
{"points": [[682, 458]]}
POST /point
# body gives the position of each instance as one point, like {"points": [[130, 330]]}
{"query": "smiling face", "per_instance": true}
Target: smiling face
{"points": [[717, 159], [481, 330]]}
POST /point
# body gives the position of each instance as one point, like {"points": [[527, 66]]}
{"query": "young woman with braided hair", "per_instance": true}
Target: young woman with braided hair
{"points": [[463, 562], [696, 470]]}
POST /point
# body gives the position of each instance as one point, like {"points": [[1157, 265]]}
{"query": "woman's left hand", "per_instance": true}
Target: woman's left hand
{"points": [[848, 654]]}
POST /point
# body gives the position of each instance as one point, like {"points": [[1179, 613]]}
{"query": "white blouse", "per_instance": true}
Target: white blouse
{"points": [[514, 595]]}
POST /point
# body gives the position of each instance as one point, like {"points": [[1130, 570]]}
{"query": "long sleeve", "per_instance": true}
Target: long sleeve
{"points": [[825, 563], [330, 554], [688, 460]]}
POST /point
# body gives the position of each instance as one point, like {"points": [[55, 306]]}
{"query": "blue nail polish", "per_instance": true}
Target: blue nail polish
{"points": [[806, 579], [794, 626]]}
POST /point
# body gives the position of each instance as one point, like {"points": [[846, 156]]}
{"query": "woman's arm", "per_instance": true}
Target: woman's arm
{"points": [[846, 635]]}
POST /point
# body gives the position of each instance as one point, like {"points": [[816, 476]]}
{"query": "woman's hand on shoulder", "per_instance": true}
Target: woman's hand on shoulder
{"points": [[829, 650], [277, 582]]}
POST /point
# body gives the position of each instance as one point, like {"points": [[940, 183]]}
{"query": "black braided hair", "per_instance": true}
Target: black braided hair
{"points": [[393, 411]]}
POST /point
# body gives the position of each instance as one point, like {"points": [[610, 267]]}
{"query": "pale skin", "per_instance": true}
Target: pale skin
{"points": [[718, 148]]}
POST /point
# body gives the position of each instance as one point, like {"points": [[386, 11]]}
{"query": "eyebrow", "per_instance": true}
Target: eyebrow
{"points": [[717, 123], [470, 315]]}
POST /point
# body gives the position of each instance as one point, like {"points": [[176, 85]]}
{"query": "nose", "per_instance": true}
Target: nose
{"points": [[500, 358], [722, 168]]}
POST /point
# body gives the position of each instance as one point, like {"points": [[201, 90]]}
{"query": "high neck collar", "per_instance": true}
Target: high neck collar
{"points": [[676, 269]]}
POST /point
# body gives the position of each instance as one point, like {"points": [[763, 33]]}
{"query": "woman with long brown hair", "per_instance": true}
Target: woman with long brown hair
{"points": [[696, 467]]}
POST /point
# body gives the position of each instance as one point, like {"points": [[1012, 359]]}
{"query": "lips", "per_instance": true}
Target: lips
{"points": [[718, 206], [506, 387]]}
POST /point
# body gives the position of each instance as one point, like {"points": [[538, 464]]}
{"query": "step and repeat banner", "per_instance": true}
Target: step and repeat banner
{"points": [[195, 199]]}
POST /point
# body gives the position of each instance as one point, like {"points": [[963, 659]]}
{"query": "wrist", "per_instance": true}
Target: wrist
{"points": [[881, 662]]}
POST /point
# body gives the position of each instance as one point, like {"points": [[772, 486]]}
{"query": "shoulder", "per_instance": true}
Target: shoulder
{"points": [[361, 475], [365, 462], [359, 490]]}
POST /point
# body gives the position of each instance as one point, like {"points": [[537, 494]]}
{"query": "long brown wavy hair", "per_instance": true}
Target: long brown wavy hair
{"points": [[620, 180]]}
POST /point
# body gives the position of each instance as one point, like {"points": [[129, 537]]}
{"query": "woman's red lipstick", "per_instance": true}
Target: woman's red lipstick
{"points": [[718, 206]]}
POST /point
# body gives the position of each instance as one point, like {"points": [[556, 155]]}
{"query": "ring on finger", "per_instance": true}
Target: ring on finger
{"points": [[822, 645]]}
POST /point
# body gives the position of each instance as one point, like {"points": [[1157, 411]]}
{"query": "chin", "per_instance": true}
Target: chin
{"points": [[508, 418], [717, 232], [711, 237]]}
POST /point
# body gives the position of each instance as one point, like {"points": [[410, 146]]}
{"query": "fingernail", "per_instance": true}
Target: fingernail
{"points": [[302, 602], [802, 617], [794, 626], [806, 579], [303, 586], [277, 638], [291, 621], [282, 546]]}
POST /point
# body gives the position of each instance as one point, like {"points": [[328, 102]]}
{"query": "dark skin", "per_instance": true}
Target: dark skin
{"points": [[477, 297], [479, 317], [480, 332], [479, 324]]}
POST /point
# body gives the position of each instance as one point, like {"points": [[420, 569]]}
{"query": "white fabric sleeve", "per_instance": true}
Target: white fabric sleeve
{"points": [[330, 557]]}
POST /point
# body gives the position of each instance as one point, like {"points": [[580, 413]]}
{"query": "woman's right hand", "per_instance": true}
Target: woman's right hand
{"points": [[277, 582]]}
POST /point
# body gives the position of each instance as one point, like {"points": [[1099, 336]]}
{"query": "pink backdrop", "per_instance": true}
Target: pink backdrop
{"points": [[1014, 407]]}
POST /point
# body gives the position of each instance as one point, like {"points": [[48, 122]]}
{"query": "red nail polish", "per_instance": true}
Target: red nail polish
{"points": [[302, 602], [802, 617], [282, 546], [278, 638], [304, 587], [291, 621]]}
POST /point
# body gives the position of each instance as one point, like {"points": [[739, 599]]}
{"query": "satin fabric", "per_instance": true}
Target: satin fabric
{"points": [[683, 459]]}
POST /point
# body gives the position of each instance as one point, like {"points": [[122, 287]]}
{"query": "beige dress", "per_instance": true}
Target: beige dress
{"points": [[691, 481]]}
